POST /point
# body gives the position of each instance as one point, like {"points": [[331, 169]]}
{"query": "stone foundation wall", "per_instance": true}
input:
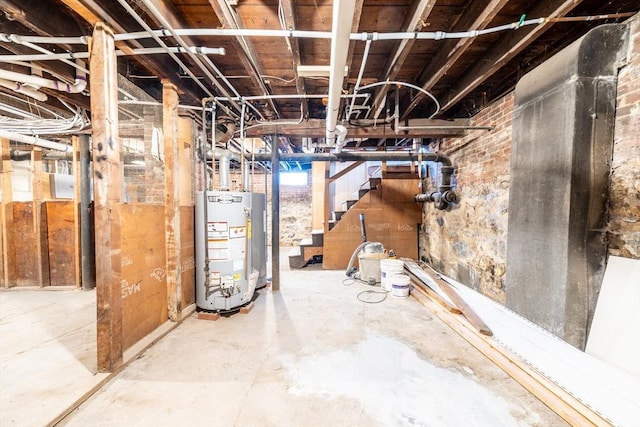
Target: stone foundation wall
{"points": [[468, 243], [295, 207]]}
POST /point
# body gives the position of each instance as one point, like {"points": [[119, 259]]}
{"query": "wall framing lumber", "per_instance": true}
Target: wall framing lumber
{"points": [[39, 217], [107, 191], [7, 197], [172, 199], [552, 395]]}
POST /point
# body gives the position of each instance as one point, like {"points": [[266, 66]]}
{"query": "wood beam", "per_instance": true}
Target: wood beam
{"points": [[315, 128], [416, 22], [290, 22], [107, 190], [39, 220], [229, 19], [477, 17], [172, 199], [93, 13], [355, 26], [6, 185], [506, 49], [40, 17]]}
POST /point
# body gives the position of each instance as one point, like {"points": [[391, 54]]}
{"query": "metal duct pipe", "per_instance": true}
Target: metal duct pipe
{"points": [[245, 177], [443, 198], [347, 156], [343, 12], [224, 158]]}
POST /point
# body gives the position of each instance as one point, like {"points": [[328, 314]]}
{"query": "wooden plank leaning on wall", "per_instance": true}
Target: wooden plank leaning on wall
{"points": [[107, 190]]}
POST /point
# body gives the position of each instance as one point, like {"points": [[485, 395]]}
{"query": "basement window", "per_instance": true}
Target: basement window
{"points": [[294, 178]]}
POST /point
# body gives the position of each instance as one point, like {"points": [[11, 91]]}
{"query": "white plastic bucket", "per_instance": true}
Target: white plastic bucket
{"points": [[389, 267], [400, 285]]}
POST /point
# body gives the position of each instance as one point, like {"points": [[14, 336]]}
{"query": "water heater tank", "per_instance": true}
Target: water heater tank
{"points": [[231, 248]]}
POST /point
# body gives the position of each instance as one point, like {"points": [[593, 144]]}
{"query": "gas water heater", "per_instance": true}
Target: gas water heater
{"points": [[231, 248]]}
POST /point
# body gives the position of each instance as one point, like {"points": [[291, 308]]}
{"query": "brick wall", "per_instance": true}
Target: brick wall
{"points": [[468, 243], [624, 202]]}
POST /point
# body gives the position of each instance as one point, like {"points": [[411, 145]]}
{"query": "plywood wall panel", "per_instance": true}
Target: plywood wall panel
{"points": [[23, 239], [61, 237], [144, 286], [187, 255]]}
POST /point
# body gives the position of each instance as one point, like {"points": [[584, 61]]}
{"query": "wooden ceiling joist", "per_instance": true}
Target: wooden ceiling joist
{"points": [[245, 51], [93, 13], [416, 22], [506, 49], [477, 17], [290, 21], [419, 128]]}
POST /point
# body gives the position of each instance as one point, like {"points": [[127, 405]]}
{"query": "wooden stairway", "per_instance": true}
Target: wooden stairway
{"points": [[308, 249], [391, 217], [313, 247]]}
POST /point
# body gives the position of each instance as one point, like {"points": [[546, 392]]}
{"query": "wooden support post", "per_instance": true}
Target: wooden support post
{"points": [[107, 194], [171, 200], [39, 220], [77, 262], [6, 186]]}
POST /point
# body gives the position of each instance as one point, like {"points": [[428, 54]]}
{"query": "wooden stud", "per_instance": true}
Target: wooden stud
{"points": [[551, 394], [39, 219], [172, 198], [107, 190], [7, 197]]}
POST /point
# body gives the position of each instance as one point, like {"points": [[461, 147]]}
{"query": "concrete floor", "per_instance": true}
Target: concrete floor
{"points": [[309, 355]]}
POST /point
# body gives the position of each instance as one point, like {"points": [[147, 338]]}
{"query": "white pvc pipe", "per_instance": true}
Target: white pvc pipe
{"points": [[216, 32], [160, 17], [34, 140], [343, 12], [18, 87], [365, 56], [200, 50], [78, 86]]}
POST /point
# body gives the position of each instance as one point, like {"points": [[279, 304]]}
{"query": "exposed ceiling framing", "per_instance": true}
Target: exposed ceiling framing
{"points": [[261, 71]]}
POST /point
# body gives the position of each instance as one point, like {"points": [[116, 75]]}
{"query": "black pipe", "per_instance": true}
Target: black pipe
{"points": [[348, 156], [87, 241], [275, 218]]}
